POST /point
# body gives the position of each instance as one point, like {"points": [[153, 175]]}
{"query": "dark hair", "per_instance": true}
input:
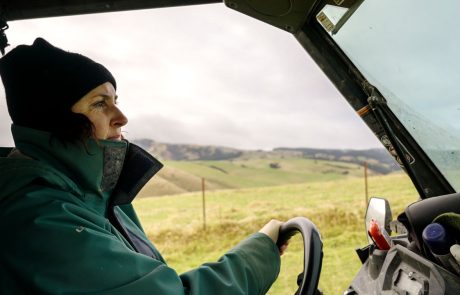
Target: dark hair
{"points": [[73, 128]]}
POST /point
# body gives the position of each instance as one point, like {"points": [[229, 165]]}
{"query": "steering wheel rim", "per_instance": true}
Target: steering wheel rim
{"points": [[313, 252]]}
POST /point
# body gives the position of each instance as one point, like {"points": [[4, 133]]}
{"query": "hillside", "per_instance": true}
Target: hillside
{"points": [[246, 172], [187, 152], [378, 160], [229, 168]]}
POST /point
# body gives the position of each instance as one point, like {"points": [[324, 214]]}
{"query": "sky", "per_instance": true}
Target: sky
{"points": [[205, 75]]}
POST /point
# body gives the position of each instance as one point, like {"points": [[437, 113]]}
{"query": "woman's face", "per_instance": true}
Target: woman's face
{"points": [[100, 107]]}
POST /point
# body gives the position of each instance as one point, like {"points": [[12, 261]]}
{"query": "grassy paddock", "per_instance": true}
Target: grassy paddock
{"points": [[174, 223], [185, 176]]}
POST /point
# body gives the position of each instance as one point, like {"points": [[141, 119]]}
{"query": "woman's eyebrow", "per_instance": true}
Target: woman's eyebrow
{"points": [[107, 96]]}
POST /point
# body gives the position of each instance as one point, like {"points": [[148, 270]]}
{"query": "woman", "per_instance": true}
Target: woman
{"points": [[66, 217]]}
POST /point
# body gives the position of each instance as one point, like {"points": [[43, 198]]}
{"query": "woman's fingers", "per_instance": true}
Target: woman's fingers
{"points": [[272, 229], [284, 247]]}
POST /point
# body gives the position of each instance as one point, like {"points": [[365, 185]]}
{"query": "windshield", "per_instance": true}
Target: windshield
{"points": [[409, 51]]}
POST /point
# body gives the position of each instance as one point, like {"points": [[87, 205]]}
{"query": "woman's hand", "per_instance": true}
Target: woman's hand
{"points": [[272, 230]]}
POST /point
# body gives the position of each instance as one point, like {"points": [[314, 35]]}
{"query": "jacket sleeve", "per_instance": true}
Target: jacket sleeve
{"points": [[249, 268], [63, 248]]}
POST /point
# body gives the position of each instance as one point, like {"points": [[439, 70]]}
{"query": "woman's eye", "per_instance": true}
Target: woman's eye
{"points": [[99, 104]]}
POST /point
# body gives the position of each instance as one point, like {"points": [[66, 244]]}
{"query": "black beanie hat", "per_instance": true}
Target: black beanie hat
{"points": [[42, 82]]}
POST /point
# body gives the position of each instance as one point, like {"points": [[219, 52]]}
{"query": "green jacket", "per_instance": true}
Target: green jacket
{"points": [[57, 235]]}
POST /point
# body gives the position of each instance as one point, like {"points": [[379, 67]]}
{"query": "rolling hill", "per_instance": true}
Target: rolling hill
{"points": [[378, 159], [230, 168]]}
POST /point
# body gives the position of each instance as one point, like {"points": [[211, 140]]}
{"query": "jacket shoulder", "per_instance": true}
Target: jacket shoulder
{"points": [[23, 172]]}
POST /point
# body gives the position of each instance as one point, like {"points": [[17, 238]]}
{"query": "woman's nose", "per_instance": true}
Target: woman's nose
{"points": [[119, 119]]}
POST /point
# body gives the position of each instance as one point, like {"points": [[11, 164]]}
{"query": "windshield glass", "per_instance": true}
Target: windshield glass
{"points": [[409, 51]]}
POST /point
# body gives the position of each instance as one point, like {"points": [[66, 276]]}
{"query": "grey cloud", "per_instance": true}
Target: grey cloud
{"points": [[257, 131], [208, 75]]}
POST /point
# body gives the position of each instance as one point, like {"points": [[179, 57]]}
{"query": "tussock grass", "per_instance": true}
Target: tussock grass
{"points": [[174, 223]]}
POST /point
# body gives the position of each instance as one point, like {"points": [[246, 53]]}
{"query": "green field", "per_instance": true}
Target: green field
{"points": [[336, 206], [255, 171]]}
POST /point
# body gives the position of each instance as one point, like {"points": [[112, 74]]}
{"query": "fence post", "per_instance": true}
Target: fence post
{"points": [[366, 192], [204, 202]]}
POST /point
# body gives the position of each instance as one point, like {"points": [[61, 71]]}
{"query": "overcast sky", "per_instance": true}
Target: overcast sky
{"points": [[206, 75]]}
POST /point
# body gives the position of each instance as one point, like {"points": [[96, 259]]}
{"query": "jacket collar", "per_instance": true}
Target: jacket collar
{"points": [[118, 169], [94, 168]]}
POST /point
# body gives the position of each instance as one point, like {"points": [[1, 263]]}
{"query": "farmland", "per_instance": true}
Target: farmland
{"points": [[260, 170], [333, 201]]}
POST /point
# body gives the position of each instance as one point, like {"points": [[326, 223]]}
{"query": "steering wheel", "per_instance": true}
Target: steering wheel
{"points": [[313, 252]]}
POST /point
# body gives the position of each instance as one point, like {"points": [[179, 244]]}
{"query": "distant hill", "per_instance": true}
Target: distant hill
{"points": [[378, 160], [187, 152], [251, 171], [229, 168]]}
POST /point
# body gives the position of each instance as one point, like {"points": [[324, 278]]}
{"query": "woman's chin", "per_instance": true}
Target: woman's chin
{"points": [[114, 138]]}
